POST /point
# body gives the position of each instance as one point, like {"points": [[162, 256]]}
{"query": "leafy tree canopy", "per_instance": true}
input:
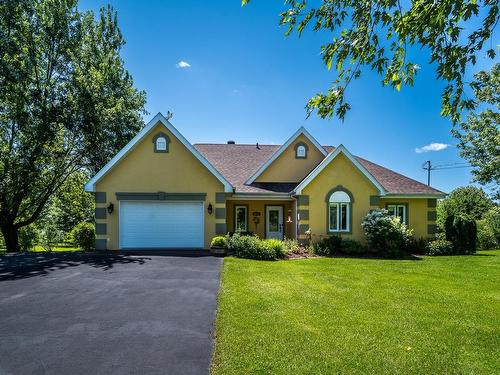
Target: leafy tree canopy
{"points": [[468, 200], [66, 102], [479, 136], [379, 35]]}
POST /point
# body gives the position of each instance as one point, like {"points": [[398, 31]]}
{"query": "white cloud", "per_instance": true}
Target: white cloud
{"points": [[431, 147], [183, 64]]}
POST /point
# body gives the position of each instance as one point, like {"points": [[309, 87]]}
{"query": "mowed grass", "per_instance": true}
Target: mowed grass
{"points": [[439, 315]]}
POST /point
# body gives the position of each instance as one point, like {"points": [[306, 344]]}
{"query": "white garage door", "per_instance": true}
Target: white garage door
{"points": [[160, 225]]}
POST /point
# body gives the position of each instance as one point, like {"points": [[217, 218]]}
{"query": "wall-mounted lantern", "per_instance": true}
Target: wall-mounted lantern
{"points": [[210, 209], [110, 208], [289, 219]]}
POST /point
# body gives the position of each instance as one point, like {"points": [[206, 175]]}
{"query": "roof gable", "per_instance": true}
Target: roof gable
{"points": [[331, 156], [297, 134], [159, 118]]}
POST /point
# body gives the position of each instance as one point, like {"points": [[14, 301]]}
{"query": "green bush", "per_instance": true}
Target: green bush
{"points": [[276, 246], [461, 231], [439, 247], [492, 220], [28, 237], [386, 234], [352, 247], [251, 247], [83, 235], [417, 245], [219, 241], [291, 246], [486, 236], [327, 245]]}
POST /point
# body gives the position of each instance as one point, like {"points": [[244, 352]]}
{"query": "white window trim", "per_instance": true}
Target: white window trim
{"points": [[301, 151], [236, 219], [161, 143], [404, 219], [339, 216]]}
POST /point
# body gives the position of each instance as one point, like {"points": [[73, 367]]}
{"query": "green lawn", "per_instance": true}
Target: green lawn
{"points": [[55, 249], [360, 316]]}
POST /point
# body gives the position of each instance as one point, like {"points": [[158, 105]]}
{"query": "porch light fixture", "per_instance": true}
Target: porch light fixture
{"points": [[289, 219], [210, 209], [110, 208]]}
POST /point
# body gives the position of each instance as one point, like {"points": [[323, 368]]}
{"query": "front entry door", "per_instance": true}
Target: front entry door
{"points": [[274, 222]]}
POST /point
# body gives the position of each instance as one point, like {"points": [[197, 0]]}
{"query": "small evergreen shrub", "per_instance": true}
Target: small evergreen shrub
{"points": [[386, 234], [219, 241], [83, 235], [461, 231], [439, 247]]}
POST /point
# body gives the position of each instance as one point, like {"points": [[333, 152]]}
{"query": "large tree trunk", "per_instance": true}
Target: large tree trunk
{"points": [[11, 238]]}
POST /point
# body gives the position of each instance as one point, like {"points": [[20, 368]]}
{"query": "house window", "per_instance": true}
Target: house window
{"points": [[240, 219], [161, 142], [339, 212], [301, 150], [398, 210]]}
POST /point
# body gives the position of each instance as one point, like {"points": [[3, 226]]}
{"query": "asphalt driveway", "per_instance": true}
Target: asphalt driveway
{"points": [[107, 314]]}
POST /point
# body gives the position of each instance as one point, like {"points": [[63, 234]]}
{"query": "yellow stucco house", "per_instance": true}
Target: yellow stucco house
{"points": [[160, 191]]}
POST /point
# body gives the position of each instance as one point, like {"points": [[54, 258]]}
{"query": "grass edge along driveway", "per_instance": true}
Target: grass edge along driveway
{"points": [[359, 316]]}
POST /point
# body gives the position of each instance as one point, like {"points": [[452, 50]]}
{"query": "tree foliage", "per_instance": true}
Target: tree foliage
{"points": [[379, 35], [72, 205], [468, 200], [479, 136], [66, 102]]}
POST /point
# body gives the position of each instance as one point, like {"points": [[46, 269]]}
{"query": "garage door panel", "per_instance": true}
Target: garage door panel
{"points": [[161, 224]]}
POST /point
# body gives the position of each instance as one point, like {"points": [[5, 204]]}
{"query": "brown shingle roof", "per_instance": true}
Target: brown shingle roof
{"points": [[238, 162]]}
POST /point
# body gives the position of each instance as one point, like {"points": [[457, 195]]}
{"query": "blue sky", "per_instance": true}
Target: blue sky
{"points": [[249, 83]]}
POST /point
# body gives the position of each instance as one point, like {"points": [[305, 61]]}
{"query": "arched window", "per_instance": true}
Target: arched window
{"points": [[161, 144], [301, 150], [339, 212]]}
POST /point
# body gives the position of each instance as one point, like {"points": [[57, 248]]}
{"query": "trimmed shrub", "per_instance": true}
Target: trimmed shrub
{"points": [[386, 234], [439, 247], [352, 247], [219, 241], [328, 245], [251, 247], [461, 230], [83, 235], [417, 245]]}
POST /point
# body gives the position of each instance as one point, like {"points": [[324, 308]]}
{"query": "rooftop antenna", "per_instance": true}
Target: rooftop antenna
{"points": [[169, 115]]}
